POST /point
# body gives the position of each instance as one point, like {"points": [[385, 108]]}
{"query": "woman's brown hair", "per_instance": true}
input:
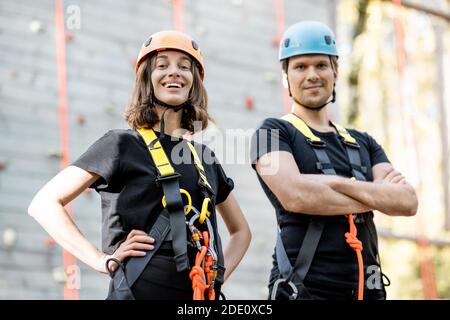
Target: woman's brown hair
{"points": [[141, 113]]}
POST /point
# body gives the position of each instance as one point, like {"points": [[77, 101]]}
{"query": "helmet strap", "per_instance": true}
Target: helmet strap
{"points": [[175, 109]]}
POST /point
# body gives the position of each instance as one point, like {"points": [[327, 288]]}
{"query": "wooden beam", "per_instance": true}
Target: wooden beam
{"points": [[422, 8], [389, 234]]}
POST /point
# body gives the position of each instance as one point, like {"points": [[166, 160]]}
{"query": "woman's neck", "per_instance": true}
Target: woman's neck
{"points": [[172, 122]]}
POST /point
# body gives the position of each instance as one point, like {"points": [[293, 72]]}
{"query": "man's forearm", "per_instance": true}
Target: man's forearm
{"points": [[389, 198], [316, 197]]}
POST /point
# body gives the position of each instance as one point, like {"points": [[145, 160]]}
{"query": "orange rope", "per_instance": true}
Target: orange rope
{"points": [[356, 245], [202, 277], [197, 275]]}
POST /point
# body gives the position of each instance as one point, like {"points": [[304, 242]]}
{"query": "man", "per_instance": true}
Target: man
{"points": [[326, 182]]}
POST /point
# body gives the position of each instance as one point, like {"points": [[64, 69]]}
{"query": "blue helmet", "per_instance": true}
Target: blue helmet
{"points": [[307, 37]]}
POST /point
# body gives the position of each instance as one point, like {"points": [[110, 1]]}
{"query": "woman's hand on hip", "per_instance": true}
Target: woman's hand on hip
{"points": [[135, 245]]}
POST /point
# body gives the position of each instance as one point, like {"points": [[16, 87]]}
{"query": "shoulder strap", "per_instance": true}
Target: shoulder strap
{"points": [[323, 161], [203, 180], [352, 148], [157, 152], [171, 188], [301, 126], [350, 143]]}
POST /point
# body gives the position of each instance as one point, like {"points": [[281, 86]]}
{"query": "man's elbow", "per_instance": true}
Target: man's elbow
{"points": [[412, 209], [410, 206], [412, 203], [291, 203]]}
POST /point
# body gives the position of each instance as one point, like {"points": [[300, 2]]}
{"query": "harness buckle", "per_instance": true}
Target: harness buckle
{"points": [[277, 283], [167, 177], [316, 143], [350, 144]]}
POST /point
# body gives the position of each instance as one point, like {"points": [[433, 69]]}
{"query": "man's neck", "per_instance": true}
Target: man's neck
{"points": [[318, 120]]}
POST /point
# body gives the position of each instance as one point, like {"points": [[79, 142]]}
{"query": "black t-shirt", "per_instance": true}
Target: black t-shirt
{"points": [[334, 262], [130, 196]]}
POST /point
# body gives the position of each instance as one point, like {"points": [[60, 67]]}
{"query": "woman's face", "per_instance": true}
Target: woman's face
{"points": [[172, 76]]}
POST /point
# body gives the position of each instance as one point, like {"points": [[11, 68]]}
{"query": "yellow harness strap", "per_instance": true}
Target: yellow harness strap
{"points": [[344, 133], [201, 172], [301, 126], [198, 164], [165, 168], [157, 152], [306, 131]]}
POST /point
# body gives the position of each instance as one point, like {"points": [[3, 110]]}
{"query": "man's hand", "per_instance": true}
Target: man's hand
{"points": [[391, 176]]}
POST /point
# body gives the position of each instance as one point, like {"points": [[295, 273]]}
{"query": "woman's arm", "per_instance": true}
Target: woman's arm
{"points": [[47, 208], [239, 230]]}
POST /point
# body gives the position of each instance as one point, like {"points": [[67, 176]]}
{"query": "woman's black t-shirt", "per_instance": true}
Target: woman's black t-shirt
{"points": [[130, 196], [334, 262]]}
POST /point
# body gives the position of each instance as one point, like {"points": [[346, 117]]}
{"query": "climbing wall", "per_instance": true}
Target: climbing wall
{"points": [[102, 39]]}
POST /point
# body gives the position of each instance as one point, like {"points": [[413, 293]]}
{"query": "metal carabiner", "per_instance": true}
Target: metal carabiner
{"points": [[294, 294], [212, 239]]}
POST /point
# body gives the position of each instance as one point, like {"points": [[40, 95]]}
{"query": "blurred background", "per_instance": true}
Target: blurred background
{"points": [[67, 71]]}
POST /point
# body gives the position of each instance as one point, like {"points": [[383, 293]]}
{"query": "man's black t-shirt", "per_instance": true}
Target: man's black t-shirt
{"points": [[130, 196], [334, 262]]}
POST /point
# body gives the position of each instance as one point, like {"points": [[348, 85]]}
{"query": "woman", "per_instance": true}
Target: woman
{"points": [[139, 186]]}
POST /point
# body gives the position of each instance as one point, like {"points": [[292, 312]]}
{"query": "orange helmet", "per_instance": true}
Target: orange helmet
{"points": [[165, 40]]}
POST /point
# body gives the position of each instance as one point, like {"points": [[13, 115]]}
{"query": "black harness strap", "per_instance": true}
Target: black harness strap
{"points": [[123, 277], [169, 180], [159, 232]]}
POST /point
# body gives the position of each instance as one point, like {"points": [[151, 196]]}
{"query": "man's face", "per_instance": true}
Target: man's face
{"points": [[311, 79]]}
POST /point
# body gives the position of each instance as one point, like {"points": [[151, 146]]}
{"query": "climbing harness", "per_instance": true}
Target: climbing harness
{"points": [[294, 276], [204, 273], [173, 221]]}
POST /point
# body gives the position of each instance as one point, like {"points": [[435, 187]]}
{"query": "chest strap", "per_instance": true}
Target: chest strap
{"points": [[169, 180]]}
